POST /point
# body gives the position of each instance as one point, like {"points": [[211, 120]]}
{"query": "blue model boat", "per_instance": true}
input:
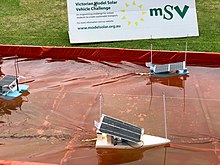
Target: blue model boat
{"points": [[9, 87], [167, 70], [172, 69]]}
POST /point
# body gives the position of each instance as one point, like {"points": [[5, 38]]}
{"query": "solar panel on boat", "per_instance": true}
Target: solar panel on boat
{"points": [[176, 66], [161, 68], [120, 129], [7, 80], [122, 124]]}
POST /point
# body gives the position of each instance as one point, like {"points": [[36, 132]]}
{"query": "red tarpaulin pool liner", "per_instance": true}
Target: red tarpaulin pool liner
{"points": [[50, 122]]}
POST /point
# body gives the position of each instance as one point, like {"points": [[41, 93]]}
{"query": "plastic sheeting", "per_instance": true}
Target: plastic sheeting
{"points": [[49, 123]]}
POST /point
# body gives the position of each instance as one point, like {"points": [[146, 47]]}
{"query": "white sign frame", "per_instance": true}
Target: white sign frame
{"points": [[117, 20]]}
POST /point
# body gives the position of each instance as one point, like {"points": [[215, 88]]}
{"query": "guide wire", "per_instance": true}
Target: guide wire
{"points": [[93, 139]]}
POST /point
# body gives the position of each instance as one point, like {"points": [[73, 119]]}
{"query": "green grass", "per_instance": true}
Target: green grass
{"points": [[44, 22]]}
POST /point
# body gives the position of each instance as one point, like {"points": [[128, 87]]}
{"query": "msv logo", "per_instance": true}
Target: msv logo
{"points": [[168, 10]]}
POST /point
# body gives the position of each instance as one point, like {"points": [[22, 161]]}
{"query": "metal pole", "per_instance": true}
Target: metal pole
{"points": [[100, 105], [186, 50], [151, 54], [165, 117], [16, 72]]}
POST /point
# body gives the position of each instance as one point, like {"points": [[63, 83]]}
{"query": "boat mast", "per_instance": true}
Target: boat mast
{"points": [[151, 53], [16, 72], [186, 47], [186, 50], [165, 117], [100, 105]]}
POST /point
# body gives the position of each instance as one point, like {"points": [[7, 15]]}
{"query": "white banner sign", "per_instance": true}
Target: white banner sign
{"points": [[116, 20]]}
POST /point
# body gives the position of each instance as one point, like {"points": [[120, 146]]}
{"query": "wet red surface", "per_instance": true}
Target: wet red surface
{"points": [[49, 123]]}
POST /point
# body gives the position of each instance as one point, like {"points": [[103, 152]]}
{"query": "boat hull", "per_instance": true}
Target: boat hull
{"points": [[148, 141], [11, 95], [170, 74]]}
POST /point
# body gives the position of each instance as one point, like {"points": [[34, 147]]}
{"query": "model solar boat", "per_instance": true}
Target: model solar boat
{"points": [[178, 68], [116, 134], [9, 87], [165, 70]]}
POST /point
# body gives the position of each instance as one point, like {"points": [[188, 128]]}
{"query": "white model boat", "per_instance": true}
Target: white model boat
{"points": [[117, 134], [113, 133]]}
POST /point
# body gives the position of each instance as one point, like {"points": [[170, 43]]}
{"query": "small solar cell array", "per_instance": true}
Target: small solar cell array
{"points": [[7, 80], [177, 66], [121, 129], [169, 67], [161, 68]]}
